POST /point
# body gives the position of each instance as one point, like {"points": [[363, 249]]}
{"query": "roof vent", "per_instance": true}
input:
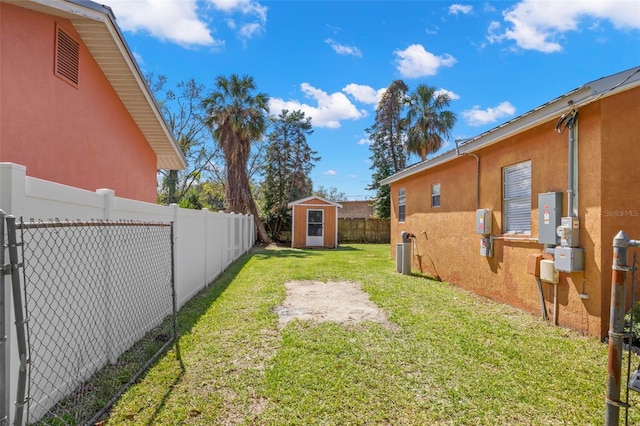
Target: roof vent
{"points": [[67, 56]]}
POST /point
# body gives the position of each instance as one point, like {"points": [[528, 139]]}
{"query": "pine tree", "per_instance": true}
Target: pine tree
{"points": [[289, 160], [388, 144]]}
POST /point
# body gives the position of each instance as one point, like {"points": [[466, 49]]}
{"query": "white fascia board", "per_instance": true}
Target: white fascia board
{"points": [[137, 75], [303, 200]]}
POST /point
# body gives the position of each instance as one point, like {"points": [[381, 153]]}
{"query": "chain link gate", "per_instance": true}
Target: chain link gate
{"points": [[97, 306]]}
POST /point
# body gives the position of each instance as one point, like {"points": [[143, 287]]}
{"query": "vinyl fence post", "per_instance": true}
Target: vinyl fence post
{"points": [[205, 247], [5, 403]]}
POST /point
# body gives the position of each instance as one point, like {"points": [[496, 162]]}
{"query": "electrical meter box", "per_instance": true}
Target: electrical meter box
{"points": [[569, 259], [569, 231], [486, 248], [483, 221], [549, 217]]}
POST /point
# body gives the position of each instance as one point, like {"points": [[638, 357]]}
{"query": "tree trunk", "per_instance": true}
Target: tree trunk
{"points": [[239, 196]]}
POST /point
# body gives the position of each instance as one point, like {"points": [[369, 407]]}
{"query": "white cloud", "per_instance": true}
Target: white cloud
{"points": [[432, 30], [173, 20], [365, 142], [178, 21], [341, 49], [455, 9], [538, 25], [245, 7], [247, 31], [488, 7], [330, 172], [479, 117], [414, 62], [453, 96], [330, 109], [364, 94]]}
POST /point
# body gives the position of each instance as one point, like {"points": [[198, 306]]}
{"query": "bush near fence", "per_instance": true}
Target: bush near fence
{"points": [[369, 230]]}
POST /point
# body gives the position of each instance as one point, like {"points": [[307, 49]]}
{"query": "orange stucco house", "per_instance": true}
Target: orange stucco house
{"points": [[314, 222], [74, 106], [488, 212]]}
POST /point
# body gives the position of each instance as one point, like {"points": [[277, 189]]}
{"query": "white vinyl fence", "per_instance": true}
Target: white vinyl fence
{"points": [[205, 244]]}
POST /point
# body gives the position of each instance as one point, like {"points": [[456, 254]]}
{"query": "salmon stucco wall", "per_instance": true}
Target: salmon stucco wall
{"points": [[447, 246], [79, 136], [300, 223]]}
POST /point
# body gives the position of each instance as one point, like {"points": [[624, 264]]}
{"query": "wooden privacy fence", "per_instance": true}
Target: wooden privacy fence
{"points": [[368, 230]]}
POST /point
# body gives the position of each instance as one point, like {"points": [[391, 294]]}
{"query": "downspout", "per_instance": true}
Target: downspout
{"points": [[477, 171], [570, 183]]}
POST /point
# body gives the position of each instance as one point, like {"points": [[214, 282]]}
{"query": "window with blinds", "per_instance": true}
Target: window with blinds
{"points": [[435, 195], [401, 205], [516, 198]]}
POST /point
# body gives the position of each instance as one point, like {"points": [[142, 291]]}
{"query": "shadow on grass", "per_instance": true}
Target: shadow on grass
{"points": [[110, 379], [189, 315], [169, 391]]}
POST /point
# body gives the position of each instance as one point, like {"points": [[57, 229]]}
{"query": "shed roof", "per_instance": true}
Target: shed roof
{"points": [[321, 199], [552, 110], [96, 25]]}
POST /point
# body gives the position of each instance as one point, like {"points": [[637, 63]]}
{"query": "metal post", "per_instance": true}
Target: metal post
{"points": [[4, 345], [616, 327], [12, 241], [174, 296]]}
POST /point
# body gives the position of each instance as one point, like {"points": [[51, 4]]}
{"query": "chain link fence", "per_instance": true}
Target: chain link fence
{"points": [[99, 307]]}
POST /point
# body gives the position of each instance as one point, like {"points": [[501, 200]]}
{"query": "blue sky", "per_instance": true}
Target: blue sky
{"points": [[333, 59]]}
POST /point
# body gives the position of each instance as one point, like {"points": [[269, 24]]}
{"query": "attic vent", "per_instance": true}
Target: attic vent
{"points": [[67, 56]]}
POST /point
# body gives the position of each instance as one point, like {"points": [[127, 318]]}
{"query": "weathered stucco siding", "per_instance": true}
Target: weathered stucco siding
{"points": [[84, 136], [619, 189], [448, 246]]}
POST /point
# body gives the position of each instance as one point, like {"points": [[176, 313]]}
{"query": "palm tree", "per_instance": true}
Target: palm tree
{"points": [[428, 123], [238, 117]]}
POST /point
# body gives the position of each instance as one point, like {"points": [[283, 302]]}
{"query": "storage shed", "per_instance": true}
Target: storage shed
{"points": [[314, 222]]}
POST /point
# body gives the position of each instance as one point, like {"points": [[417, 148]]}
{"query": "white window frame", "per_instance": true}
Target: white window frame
{"points": [[402, 205], [435, 195], [320, 224], [516, 198]]}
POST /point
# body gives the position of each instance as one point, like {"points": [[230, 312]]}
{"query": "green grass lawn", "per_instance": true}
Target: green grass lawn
{"points": [[453, 359]]}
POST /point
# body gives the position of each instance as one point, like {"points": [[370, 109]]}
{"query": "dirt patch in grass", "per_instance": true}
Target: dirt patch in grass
{"points": [[343, 302]]}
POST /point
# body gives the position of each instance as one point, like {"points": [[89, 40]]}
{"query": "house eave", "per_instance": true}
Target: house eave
{"points": [[96, 25], [552, 110], [304, 200]]}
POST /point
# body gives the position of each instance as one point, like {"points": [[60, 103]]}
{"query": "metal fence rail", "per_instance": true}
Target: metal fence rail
{"points": [[99, 306]]}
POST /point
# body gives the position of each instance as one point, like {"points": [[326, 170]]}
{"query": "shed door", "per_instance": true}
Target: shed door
{"points": [[315, 228]]}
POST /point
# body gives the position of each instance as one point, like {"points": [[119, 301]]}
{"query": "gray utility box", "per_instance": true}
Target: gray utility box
{"points": [[569, 231], [549, 217], [483, 221], [486, 247], [569, 259]]}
